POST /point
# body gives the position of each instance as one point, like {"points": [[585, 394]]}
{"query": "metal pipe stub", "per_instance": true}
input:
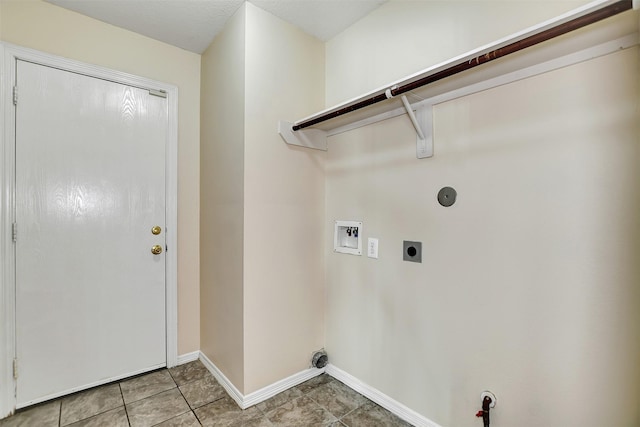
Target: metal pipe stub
{"points": [[319, 359]]}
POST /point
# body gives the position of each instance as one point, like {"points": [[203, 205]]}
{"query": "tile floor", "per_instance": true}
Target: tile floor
{"points": [[188, 395]]}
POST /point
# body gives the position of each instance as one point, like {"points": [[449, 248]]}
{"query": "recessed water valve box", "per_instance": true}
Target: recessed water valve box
{"points": [[412, 251], [347, 237]]}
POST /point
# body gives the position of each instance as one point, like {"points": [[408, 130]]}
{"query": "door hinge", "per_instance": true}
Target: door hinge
{"points": [[14, 231], [15, 369], [156, 92], [15, 95]]}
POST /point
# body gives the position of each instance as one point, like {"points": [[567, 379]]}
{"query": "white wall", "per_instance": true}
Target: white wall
{"points": [[52, 29], [222, 200], [529, 283], [284, 203]]}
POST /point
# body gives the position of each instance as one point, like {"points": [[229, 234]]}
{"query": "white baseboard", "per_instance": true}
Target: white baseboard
{"points": [[223, 380], [269, 391], [280, 386], [264, 393], [380, 398], [188, 357]]}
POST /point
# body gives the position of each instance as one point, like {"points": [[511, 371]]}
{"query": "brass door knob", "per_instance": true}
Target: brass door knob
{"points": [[156, 250], [156, 230]]}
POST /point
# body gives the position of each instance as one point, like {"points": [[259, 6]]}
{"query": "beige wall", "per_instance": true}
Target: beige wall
{"points": [[262, 202], [529, 283], [284, 203], [222, 200], [42, 26]]}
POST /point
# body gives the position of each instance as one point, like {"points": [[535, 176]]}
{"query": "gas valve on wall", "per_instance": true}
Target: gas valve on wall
{"points": [[488, 401]]}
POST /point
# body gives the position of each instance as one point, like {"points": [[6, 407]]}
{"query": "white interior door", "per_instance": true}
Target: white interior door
{"points": [[90, 186]]}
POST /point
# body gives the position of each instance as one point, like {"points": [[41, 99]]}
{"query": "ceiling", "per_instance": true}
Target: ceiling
{"points": [[193, 24]]}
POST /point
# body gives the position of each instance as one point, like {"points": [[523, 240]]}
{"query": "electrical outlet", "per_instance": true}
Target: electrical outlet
{"points": [[372, 248]]}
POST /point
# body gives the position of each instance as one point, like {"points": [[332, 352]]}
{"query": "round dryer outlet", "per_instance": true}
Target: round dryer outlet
{"points": [[320, 359]]}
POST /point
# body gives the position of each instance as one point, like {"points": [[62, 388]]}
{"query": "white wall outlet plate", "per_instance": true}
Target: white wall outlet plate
{"points": [[372, 247]]}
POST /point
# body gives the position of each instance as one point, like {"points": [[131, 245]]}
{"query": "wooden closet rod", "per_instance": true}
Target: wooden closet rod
{"points": [[574, 24]]}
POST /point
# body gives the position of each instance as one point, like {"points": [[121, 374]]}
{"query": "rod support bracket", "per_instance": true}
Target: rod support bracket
{"points": [[308, 138], [422, 120]]}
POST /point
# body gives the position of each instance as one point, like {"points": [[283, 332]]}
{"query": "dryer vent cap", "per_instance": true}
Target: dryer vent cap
{"points": [[319, 360]]}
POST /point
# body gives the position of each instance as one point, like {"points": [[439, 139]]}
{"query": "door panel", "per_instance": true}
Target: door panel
{"points": [[90, 185]]}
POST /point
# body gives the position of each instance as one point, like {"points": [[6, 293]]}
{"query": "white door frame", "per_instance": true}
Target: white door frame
{"points": [[8, 55]]}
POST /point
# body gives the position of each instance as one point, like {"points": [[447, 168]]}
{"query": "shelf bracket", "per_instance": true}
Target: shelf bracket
{"points": [[422, 121], [412, 116], [421, 118], [308, 138]]}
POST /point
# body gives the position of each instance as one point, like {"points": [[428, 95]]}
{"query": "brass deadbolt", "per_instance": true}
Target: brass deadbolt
{"points": [[156, 230]]}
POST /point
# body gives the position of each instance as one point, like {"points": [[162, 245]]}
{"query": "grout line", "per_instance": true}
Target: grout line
{"points": [[264, 414], [155, 394], [60, 414], [178, 415], [102, 411], [192, 410], [350, 412], [318, 403], [175, 386], [171, 375], [151, 395], [186, 382], [197, 419], [184, 397], [124, 404]]}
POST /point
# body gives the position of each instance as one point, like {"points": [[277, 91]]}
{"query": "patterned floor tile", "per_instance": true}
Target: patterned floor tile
{"points": [[256, 422], [337, 398], [184, 420], [302, 411], [156, 409], [114, 418], [155, 400], [188, 372], [372, 415], [90, 402], [146, 385], [307, 386], [43, 415], [279, 399], [226, 413], [201, 392]]}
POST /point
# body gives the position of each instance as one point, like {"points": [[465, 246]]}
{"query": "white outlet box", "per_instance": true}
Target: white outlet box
{"points": [[372, 248]]}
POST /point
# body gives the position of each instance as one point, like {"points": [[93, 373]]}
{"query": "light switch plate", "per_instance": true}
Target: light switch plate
{"points": [[372, 248]]}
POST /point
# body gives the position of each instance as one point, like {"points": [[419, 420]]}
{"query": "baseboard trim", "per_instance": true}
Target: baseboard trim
{"points": [[271, 390], [188, 357], [223, 380], [380, 398], [264, 393]]}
